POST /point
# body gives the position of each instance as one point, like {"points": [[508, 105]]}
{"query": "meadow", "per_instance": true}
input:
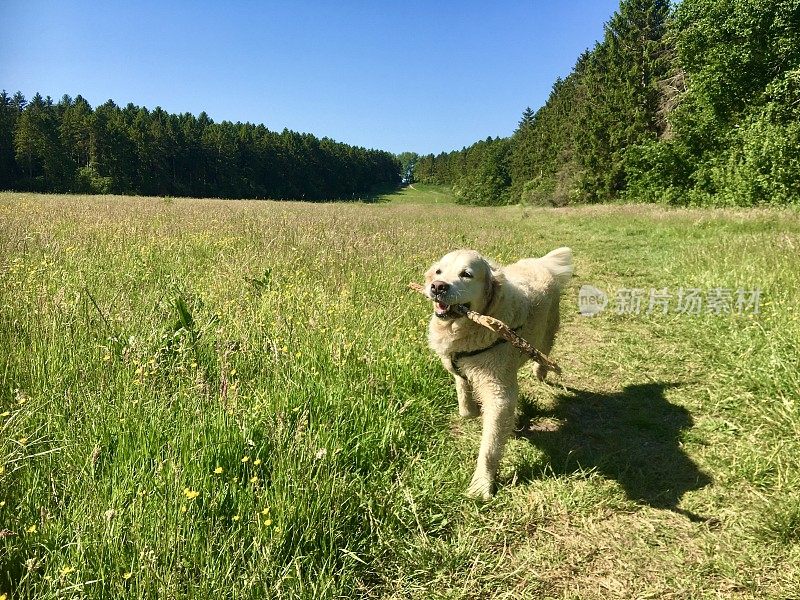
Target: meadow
{"points": [[205, 398]]}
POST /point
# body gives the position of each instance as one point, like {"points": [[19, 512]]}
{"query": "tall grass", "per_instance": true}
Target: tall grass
{"points": [[235, 399]]}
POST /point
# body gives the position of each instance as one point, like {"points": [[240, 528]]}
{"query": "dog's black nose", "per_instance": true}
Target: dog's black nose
{"points": [[439, 287]]}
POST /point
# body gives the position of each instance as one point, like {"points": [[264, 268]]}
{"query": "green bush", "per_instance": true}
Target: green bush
{"points": [[89, 181], [763, 166]]}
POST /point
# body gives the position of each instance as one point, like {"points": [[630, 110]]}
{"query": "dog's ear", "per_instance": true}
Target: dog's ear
{"points": [[493, 282]]}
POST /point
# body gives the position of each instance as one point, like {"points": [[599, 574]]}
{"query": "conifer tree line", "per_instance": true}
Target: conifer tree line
{"points": [[692, 104], [67, 146]]}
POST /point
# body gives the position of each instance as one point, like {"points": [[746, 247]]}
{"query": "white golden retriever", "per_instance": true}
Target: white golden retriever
{"points": [[525, 295]]}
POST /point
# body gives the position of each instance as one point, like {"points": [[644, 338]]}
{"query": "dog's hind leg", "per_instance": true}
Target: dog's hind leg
{"points": [[467, 407], [499, 404], [551, 328]]}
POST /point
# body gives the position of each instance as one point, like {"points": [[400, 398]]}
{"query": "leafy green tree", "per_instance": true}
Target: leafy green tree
{"points": [[485, 180], [734, 130], [408, 161]]}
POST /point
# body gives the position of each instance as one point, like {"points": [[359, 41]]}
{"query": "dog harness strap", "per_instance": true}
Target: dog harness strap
{"points": [[459, 355]]}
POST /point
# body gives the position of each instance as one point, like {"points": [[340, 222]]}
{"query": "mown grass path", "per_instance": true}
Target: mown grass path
{"points": [[234, 399]]}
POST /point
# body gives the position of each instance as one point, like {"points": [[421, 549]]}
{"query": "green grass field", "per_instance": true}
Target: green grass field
{"points": [[420, 193], [224, 399]]}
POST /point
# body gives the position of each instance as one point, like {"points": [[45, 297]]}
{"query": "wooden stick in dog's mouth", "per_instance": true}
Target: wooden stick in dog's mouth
{"points": [[499, 328]]}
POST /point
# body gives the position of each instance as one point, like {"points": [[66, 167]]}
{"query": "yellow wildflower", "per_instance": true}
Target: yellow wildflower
{"points": [[23, 441], [257, 462], [233, 372], [31, 529], [218, 470], [66, 570], [254, 479], [6, 414], [235, 518], [245, 459], [127, 575], [265, 511], [190, 494], [267, 522]]}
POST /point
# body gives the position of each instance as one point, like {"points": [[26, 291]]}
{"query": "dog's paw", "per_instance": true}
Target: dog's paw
{"points": [[481, 488]]}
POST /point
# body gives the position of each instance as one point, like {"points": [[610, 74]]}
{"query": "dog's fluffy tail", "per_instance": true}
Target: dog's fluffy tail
{"points": [[559, 263]]}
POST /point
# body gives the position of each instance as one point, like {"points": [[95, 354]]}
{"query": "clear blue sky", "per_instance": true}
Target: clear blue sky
{"points": [[424, 76]]}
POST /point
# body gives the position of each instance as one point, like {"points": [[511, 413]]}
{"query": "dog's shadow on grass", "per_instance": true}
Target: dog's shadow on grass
{"points": [[632, 436]]}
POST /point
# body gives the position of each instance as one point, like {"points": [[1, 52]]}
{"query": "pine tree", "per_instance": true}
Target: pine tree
{"points": [[68, 146], [38, 148], [9, 114], [526, 122], [621, 85]]}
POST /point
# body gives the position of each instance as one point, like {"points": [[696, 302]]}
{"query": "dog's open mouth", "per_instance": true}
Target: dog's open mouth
{"points": [[445, 311]]}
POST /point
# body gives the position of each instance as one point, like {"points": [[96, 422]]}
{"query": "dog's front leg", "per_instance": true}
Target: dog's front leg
{"points": [[499, 400], [467, 407]]}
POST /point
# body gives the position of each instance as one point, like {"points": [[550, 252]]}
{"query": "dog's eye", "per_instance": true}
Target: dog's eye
{"points": [[465, 274], [438, 271]]}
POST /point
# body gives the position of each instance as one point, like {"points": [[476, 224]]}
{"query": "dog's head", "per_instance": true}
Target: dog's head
{"points": [[462, 277]]}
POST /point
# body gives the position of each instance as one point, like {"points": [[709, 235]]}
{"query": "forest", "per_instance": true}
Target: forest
{"points": [[692, 104], [67, 146]]}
